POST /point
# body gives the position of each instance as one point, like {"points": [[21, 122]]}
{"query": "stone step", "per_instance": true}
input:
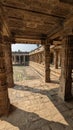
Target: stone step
{"points": [[41, 69]]}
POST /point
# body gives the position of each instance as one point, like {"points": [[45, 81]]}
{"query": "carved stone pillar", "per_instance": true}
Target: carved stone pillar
{"points": [[43, 57], [66, 68], [14, 59], [4, 100], [8, 63], [36, 58], [56, 59], [40, 57], [47, 61], [19, 59], [24, 59], [60, 58]]}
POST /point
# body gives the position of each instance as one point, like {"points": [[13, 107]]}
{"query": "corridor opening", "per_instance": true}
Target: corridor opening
{"points": [[34, 56]]}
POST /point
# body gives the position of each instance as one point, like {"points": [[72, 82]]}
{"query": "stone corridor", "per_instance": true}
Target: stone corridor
{"points": [[35, 104]]}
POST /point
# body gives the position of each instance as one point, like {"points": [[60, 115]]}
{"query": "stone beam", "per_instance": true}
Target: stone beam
{"points": [[67, 1], [5, 29], [27, 41]]}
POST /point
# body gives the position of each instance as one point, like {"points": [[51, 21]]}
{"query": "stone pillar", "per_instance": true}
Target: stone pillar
{"points": [[24, 59], [47, 61], [14, 59], [43, 57], [56, 59], [4, 100], [59, 59], [66, 68], [8, 63], [40, 57], [36, 58], [19, 59]]}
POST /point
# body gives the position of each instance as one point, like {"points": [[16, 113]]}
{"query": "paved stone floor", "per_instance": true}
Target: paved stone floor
{"points": [[36, 105]]}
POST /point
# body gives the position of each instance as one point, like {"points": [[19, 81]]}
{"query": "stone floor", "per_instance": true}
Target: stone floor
{"points": [[36, 105]]}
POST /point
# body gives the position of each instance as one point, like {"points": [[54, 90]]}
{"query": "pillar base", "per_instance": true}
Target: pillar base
{"points": [[64, 97], [47, 80], [4, 106], [69, 98]]}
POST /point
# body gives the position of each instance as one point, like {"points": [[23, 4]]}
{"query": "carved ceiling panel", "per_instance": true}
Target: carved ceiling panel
{"points": [[39, 17]]}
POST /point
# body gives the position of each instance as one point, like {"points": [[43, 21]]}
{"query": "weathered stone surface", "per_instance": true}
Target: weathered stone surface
{"points": [[8, 63], [4, 100], [29, 21], [56, 59], [35, 108], [47, 19], [47, 62], [66, 68]]}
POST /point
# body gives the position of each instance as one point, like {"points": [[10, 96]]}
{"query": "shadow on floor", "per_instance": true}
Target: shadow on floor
{"points": [[30, 121], [36, 90], [54, 81], [65, 108]]}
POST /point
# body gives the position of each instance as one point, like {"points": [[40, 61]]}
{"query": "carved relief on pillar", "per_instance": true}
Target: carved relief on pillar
{"points": [[66, 68], [47, 61], [56, 59], [4, 100], [8, 63]]}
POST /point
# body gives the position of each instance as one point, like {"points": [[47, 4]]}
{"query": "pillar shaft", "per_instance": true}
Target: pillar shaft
{"points": [[56, 59], [47, 61], [66, 68], [24, 59], [8, 64], [14, 59], [4, 100], [19, 59]]}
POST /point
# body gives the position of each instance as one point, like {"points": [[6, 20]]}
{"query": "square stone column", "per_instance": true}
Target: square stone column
{"points": [[59, 59], [24, 60], [56, 59], [4, 100], [14, 59], [47, 61], [66, 68], [8, 63], [19, 59]]}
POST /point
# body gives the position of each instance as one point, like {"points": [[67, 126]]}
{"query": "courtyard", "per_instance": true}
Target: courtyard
{"points": [[35, 105]]}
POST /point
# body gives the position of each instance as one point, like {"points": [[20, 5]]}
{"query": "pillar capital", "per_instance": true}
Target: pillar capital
{"points": [[8, 39], [45, 41]]}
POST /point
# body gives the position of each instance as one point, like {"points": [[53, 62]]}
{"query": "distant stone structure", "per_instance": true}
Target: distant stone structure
{"points": [[38, 55], [20, 58]]}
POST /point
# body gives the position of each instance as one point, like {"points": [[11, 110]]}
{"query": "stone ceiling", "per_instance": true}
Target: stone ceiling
{"points": [[36, 19]]}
